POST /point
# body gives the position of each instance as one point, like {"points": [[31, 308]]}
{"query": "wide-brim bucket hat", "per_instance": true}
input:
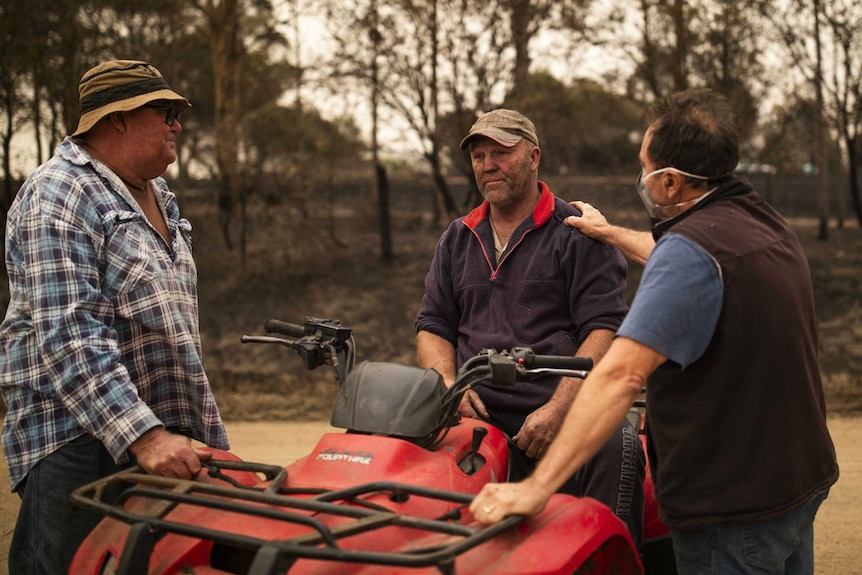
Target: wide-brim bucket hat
{"points": [[120, 86]]}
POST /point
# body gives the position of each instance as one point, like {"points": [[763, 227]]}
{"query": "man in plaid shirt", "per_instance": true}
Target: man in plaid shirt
{"points": [[101, 357]]}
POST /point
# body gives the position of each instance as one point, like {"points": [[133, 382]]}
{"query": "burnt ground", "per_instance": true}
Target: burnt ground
{"points": [[332, 269], [319, 256]]}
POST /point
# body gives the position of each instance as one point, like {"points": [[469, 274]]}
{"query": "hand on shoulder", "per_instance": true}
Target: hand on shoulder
{"points": [[591, 222]]}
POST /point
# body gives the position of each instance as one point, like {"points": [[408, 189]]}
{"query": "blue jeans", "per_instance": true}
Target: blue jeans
{"points": [[49, 531], [783, 544]]}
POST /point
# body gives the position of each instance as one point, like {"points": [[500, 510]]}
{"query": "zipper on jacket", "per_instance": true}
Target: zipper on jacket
{"points": [[491, 280], [496, 270]]}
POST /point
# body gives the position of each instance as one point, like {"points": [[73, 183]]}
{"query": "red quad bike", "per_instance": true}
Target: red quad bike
{"points": [[391, 495]]}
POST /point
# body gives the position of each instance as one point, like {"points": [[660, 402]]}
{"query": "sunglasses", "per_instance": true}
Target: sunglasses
{"points": [[171, 114]]}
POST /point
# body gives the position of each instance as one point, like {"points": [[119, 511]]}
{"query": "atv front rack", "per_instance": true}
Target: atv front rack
{"points": [[276, 501]]}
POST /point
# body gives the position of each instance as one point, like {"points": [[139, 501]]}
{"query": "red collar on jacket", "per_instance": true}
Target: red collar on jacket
{"points": [[541, 213]]}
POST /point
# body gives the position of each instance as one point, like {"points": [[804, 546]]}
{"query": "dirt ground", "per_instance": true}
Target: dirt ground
{"points": [[837, 537]]}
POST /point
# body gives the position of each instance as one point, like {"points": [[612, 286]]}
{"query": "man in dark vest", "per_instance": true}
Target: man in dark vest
{"points": [[722, 334]]}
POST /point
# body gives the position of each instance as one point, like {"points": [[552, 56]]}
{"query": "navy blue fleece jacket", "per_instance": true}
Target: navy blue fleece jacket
{"points": [[552, 287]]}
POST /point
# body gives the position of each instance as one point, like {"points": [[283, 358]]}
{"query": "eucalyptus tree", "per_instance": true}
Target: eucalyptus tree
{"points": [[528, 19], [12, 69], [221, 27], [583, 126], [232, 64], [202, 46], [823, 40], [430, 64], [64, 38], [843, 19], [359, 32], [787, 141], [697, 43], [44, 48]]}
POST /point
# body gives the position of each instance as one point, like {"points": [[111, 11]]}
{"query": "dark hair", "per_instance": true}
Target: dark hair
{"points": [[694, 131]]}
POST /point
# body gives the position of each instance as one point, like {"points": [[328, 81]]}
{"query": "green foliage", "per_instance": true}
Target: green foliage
{"points": [[788, 144], [69, 36], [439, 64], [583, 128], [296, 151]]}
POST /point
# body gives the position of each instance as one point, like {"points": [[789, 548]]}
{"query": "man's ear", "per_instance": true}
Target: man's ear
{"points": [[118, 121], [535, 156], [673, 184]]}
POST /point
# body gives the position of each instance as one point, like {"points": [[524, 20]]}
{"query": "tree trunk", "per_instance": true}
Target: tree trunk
{"points": [[649, 66], [36, 112], [822, 156], [521, 14], [226, 58], [8, 184], [679, 67], [445, 203], [381, 183], [853, 171]]}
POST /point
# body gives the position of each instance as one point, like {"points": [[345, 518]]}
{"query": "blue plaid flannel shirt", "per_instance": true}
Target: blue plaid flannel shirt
{"points": [[101, 333]]}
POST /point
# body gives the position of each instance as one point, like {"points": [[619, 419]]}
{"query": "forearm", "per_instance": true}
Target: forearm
{"points": [[602, 402], [594, 346], [635, 245], [432, 351]]}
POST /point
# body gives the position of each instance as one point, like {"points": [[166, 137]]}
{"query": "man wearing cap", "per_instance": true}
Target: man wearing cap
{"points": [[510, 274], [101, 356], [722, 335]]}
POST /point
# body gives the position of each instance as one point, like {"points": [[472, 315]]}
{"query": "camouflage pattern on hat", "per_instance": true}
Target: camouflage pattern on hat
{"points": [[506, 127]]}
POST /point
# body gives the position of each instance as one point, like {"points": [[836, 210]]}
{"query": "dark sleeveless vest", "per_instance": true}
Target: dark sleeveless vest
{"points": [[740, 434]]}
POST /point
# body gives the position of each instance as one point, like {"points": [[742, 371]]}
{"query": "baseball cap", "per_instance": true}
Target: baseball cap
{"points": [[506, 127]]}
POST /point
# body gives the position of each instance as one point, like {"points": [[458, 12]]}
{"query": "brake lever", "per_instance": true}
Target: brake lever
{"points": [[308, 348], [542, 371]]}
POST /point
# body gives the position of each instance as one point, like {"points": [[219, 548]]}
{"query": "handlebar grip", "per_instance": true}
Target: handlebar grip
{"points": [[284, 328], [561, 362]]}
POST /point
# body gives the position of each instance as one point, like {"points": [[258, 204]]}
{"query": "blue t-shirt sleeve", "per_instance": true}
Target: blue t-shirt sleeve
{"points": [[678, 301]]}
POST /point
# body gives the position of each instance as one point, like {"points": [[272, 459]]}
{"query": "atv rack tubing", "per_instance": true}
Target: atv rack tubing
{"points": [[320, 542]]}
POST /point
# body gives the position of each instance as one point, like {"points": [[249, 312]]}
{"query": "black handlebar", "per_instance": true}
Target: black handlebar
{"points": [[284, 328], [560, 362], [331, 332], [324, 341], [319, 341], [530, 360]]}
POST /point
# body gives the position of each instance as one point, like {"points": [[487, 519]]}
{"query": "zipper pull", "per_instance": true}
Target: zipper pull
{"points": [[491, 282]]}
